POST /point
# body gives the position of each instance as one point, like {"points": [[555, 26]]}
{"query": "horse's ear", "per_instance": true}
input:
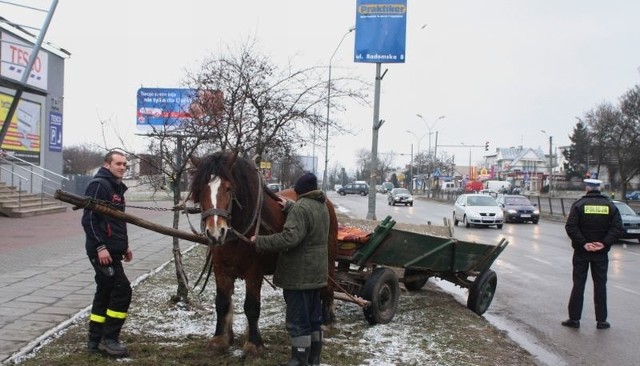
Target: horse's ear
{"points": [[195, 161], [232, 160]]}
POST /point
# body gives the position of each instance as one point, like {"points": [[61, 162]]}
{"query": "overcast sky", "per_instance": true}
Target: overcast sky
{"points": [[499, 70]]}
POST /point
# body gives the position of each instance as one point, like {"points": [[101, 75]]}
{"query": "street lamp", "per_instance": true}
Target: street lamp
{"points": [[326, 141], [429, 127], [418, 151], [550, 160]]}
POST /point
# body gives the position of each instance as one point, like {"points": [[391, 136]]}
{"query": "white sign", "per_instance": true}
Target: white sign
{"points": [[14, 57]]}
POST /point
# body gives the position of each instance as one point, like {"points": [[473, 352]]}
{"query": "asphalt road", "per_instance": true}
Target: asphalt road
{"points": [[534, 281]]}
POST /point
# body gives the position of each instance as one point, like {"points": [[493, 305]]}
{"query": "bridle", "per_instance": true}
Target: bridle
{"points": [[226, 214]]}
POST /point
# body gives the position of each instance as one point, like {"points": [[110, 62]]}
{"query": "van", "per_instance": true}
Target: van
{"points": [[500, 186], [449, 186]]}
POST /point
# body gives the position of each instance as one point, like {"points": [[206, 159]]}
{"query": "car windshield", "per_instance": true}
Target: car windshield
{"points": [[517, 201], [625, 209], [481, 201], [400, 191]]}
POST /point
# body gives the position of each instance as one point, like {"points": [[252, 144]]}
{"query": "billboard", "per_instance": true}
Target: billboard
{"points": [[163, 107], [23, 135], [381, 31]]}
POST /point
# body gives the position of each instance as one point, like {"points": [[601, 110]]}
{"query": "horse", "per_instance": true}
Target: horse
{"points": [[234, 203]]}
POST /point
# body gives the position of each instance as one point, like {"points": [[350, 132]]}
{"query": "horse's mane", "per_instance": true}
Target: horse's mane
{"points": [[242, 174]]}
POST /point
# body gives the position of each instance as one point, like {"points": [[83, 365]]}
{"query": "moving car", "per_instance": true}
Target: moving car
{"points": [[635, 195], [275, 187], [400, 195], [517, 208], [477, 209], [630, 221], [354, 188]]}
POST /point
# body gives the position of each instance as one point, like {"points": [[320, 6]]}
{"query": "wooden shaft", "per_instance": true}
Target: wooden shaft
{"points": [[88, 203]]}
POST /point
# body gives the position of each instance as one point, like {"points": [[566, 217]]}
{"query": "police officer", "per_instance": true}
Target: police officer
{"points": [[107, 245], [593, 225]]}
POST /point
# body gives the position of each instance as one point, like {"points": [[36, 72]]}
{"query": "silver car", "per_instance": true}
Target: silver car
{"points": [[477, 209], [400, 196]]}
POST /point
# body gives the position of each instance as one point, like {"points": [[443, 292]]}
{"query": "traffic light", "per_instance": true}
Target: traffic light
{"points": [[486, 146]]}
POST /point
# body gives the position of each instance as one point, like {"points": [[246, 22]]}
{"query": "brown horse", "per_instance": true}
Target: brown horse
{"points": [[234, 200]]}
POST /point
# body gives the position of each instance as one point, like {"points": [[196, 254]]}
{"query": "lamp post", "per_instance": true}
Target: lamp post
{"points": [[326, 141], [429, 127], [550, 160], [419, 139]]}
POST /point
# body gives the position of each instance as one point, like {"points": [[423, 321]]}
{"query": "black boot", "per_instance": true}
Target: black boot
{"points": [[316, 348], [299, 351]]}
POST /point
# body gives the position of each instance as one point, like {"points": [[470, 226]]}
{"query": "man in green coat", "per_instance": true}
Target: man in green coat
{"points": [[301, 270]]}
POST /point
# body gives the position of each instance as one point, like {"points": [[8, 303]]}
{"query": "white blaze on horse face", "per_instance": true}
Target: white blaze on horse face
{"points": [[220, 226]]}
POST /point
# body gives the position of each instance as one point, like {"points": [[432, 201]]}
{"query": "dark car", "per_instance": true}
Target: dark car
{"points": [[400, 196], [635, 195], [517, 208], [354, 188], [630, 221]]}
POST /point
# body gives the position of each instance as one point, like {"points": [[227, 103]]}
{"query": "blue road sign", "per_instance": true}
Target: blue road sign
{"points": [[55, 131], [167, 107], [381, 31]]}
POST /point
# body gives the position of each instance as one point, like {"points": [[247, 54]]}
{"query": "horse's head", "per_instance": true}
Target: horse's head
{"points": [[222, 186]]}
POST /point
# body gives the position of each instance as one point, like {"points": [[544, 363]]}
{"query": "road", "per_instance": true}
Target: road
{"points": [[534, 281]]}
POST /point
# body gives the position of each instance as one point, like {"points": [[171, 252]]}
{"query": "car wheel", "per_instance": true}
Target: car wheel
{"points": [[535, 221], [411, 204], [499, 226], [465, 222], [363, 193], [455, 221], [342, 193]]}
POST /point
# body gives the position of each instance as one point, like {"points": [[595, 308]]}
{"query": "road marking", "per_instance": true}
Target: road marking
{"points": [[539, 260], [626, 290]]}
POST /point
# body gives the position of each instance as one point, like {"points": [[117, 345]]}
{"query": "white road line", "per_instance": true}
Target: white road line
{"points": [[539, 260], [626, 290]]}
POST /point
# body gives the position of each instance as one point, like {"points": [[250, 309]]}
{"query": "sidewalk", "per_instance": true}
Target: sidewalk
{"points": [[46, 278]]}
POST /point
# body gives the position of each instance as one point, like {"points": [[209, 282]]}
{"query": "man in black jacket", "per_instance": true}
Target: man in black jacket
{"points": [[593, 225], [107, 245]]}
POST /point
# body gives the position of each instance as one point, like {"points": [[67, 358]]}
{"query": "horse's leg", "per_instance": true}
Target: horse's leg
{"points": [[223, 336], [253, 346]]}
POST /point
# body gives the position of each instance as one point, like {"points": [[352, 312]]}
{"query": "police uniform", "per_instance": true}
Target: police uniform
{"points": [[593, 218], [113, 290]]}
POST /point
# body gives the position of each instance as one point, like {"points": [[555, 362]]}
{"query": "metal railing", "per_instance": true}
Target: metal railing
{"points": [[39, 183]]}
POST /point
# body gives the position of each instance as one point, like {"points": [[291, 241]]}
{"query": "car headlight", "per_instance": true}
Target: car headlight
{"points": [[536, 212], [512, 211]]}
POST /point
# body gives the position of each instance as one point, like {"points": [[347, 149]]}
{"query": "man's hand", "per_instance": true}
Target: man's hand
{"points": [[128, 256], [104, 258]]}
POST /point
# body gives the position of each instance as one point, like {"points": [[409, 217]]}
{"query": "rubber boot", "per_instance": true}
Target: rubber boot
{"points": [[300, 347], [316, 348]]}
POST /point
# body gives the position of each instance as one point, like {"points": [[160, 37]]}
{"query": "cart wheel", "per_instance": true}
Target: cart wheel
{"points": [[382, 290], [482, 291], [417, 284]]}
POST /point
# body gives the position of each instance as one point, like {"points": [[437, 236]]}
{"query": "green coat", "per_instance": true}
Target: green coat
{"points": [[303, 260]]}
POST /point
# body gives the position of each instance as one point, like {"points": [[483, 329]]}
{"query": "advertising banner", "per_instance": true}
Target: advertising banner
{"points": [[381, 31], [163, 107], [23, 135]]}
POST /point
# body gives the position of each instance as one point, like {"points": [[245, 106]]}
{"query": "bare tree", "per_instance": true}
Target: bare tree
{"points": [[268, 111], [81, 159]]}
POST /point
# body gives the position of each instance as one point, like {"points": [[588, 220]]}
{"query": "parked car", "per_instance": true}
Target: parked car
{"points": [[354, 188], [630, 221], [635, 195], [275, 187], [516, 208], [477, 209], [400, 195]]}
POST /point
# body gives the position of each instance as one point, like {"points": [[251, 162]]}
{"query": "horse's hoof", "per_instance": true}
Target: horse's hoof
{"points": [[252, 350], [218, 344]]}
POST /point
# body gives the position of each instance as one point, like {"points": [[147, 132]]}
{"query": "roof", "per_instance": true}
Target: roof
{"points": [[20, 32]]}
